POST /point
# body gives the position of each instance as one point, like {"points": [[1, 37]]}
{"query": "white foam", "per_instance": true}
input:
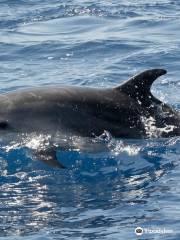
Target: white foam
{"points": [[152, 130]]}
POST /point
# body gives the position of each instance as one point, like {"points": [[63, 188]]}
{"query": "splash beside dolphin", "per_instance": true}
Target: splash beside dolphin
{"points": [[126, 111]]}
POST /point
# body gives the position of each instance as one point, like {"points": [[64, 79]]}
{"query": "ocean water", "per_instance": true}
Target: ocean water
{"points": [[108, 194]]}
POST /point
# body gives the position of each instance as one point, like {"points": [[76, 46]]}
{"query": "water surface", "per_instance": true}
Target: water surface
{"points": [[93, 43]]}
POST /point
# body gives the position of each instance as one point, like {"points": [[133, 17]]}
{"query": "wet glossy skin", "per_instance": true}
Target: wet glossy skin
{"points": [[84, 112]]}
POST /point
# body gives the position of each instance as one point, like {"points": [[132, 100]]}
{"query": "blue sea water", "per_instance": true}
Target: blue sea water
{"points": [[94, 43]]}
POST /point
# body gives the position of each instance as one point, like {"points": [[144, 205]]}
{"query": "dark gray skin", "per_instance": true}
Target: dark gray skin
{"points": [[87, 112]]}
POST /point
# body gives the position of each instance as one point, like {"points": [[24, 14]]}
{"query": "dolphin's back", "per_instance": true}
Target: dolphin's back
{"points": [[88, 111], [84, 111]]}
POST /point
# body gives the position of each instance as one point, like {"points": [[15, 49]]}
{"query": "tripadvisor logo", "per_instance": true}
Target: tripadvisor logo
{"points": [[139, 231]]}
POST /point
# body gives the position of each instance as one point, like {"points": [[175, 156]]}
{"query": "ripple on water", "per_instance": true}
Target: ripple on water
{"points": [[128, 184]]}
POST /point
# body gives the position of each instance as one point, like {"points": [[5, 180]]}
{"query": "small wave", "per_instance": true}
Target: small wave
{"points": [[152, 130]]}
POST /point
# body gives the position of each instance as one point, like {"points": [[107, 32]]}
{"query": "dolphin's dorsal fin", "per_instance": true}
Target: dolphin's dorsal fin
{"points": [[139, 86]]}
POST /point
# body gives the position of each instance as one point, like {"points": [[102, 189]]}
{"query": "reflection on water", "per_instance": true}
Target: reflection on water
{"points": [[96, 190], [102, 195]]}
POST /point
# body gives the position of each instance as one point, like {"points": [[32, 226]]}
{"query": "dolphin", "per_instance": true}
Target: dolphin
{"points": [[125, 111]]}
